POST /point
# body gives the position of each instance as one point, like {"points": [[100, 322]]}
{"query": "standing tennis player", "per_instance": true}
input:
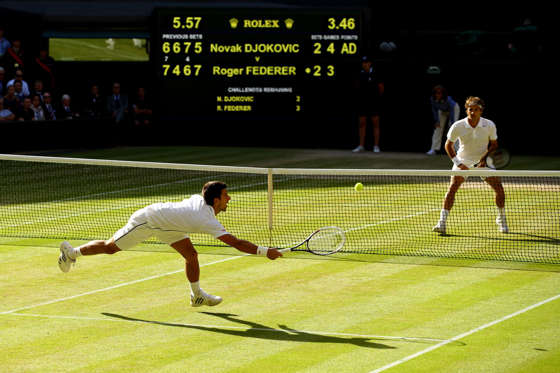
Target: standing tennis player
{"points": [[477, 138], [171, 222]]}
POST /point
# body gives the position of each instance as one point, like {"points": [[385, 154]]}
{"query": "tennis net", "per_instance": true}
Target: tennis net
{"points": [[85, 199]]}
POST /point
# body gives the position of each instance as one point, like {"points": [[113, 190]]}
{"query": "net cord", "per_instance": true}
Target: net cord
{"points": [[279, 171]]}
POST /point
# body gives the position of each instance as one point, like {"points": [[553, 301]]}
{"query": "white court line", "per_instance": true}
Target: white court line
{"points": [[112, 287], [232, 327], [177, 271], [463, 335]]}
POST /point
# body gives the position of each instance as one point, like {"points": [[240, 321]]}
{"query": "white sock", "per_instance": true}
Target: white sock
{"points": [[443, 215], [195, 287], [502, 213], [75, 252]]}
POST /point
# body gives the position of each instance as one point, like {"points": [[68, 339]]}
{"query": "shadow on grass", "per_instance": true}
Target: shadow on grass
{"points": [[513, 237], [260, 331]]}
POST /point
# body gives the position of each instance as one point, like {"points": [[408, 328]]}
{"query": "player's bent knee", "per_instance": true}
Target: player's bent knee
{"points": [[191, 256]]}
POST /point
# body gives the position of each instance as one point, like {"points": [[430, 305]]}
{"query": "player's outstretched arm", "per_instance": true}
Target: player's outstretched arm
{"points": [[248, 247]]}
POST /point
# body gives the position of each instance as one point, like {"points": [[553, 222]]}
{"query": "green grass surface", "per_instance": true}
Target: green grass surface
{"points": [[294, 158], [97, 50], [344, 313], [294, 314], [392, 215]]}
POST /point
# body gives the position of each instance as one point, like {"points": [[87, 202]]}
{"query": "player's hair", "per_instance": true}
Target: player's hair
{"points": [[440, 88], [211, 190], [473, 100]]}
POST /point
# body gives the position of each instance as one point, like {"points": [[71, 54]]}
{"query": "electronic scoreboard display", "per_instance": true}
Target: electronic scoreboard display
{"points": [[253, 62]]}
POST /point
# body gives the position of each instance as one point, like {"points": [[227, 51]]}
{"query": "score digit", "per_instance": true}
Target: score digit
{"points": [[344, 23], [178, 70], [188, 22], [175, 47]]}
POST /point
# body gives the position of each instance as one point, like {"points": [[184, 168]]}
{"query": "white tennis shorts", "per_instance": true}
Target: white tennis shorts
{"points": [[137, 230], [470, 165]]}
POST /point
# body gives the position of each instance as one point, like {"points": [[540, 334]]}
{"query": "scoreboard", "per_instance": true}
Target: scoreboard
{"points": [[261, 61], [255, 62]]}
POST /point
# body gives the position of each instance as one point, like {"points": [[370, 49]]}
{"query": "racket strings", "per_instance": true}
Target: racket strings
{"points": [[325, 241]]}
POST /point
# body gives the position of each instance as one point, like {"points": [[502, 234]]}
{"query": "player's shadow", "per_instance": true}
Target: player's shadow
{"points": [[260, 331], [513, 236]]}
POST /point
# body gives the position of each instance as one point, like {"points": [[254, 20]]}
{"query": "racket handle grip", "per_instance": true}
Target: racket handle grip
{"points": [[284, 250]]}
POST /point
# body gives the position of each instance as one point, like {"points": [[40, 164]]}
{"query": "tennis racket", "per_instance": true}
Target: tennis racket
{"points": [[324, 241], [498, 159]]}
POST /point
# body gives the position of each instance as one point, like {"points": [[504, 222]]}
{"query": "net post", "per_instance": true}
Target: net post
{"points": [[270, 204]]}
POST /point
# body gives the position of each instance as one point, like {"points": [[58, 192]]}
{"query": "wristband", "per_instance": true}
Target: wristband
{"points": [[456, 161], [261, 250]]}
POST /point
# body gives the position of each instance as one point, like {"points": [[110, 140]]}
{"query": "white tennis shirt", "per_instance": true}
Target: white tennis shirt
{"points": [[191, 215], [473, 141]]}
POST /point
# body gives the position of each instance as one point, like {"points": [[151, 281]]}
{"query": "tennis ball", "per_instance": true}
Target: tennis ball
{"points": [[358, 187]]}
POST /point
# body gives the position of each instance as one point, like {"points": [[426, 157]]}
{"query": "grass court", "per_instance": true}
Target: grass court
{"points": [[344, 313]]}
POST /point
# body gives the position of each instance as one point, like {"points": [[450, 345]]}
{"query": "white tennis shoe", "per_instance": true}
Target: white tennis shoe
{"points": [[502, 224], [376, 149], [439, 227], [205, 299], [64, 260], [358, 149]]}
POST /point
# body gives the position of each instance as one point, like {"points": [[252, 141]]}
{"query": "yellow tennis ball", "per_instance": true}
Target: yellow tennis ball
{"points": [[358, 187]]}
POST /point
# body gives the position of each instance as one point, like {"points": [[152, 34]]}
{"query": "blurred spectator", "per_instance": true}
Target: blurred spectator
{"points": [[95, 106], [25, 113], [5, 114], [445, 112], [66, 111], [38, 111], [387, 46], [38, 89], [11, 101], [50, 112], [4, 43], [142, 109], [19, 91], [14, 57], [110, 43], [370, 91], [2, 81], [18, 77], [525, 39], [471, 42], [44, 69], [117, 104]]}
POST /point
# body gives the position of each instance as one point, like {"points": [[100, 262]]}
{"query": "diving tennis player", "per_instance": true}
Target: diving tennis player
{"points": [[171, 222]]}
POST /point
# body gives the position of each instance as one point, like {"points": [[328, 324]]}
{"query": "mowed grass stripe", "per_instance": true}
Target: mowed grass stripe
{"points": [[261, 349], [385, 314], [139, 298], [409, 314], [315, 311], [83, 278], [256, 301], [468, 306], [63, 332], [515, 338]]}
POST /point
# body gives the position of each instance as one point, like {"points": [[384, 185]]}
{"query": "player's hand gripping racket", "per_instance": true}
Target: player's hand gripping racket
{"points": [[324, 241], [498, 159]]}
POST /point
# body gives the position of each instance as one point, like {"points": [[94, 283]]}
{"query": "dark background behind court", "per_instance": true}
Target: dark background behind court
{"points": [[471, 49]]}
